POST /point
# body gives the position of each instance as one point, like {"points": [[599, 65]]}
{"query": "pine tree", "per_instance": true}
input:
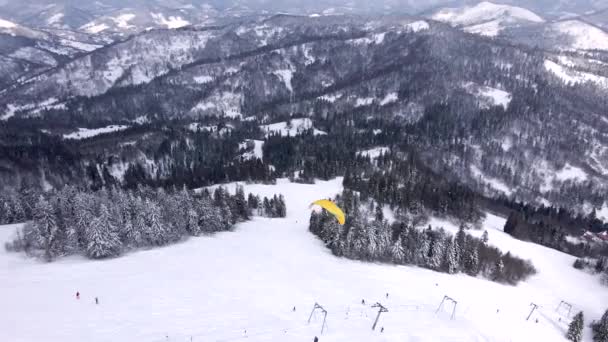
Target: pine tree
{"points": [[600, 329], [460, 241], [46, 227], [450, 258], [102, 239], [575, 329], [397, 252], [436, 252], [497, 271]]}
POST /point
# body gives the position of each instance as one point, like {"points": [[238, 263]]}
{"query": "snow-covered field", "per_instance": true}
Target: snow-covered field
{"points": [[242, 286], [83, 133]]}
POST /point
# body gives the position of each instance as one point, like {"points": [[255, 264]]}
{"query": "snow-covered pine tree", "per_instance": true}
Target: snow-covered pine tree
{"points": [[397, 251], [450, 262], [436, 251], [156, 233], [46, 227], [600, 329], [460, 245], [102, 239], [471, 257], [575, 329]]}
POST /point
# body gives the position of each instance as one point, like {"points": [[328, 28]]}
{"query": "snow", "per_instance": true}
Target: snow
{"points": [[285, 75], [54, 19], [569, 172], [330, 98], [297, 127], [214, 288], [488, 29], [573, 77], [7, 24], [122, 20], [489, 96], [256, 152], [389, 98], [95, 28], [366, 101], [377, 38], [203, 79], [493, 183], [484, 12], [84, 133], [80, 45], [584, 36], [172, 22], [418, 26], [223, 103], [498, 97], [375, 152]]}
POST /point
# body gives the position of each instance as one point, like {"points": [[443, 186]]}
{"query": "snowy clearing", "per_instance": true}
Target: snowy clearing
{"points": [[254, 152], [375, 152], [489, 96], [7, 24], [242, 286], [293, 128], [172, 22], [285, 75], [84, 133], [494, 183], [202, 79], [389, 98], [418, 26], [95, 28], [570, 172]]}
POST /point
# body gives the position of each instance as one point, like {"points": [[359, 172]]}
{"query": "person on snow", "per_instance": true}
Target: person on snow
{"points": [[363, 301], [96, 300], [77, 295], [294, 309], [316, 339]]}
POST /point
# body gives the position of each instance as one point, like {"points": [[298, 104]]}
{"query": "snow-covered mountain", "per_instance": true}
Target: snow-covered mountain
{"points": [[487, 18]]}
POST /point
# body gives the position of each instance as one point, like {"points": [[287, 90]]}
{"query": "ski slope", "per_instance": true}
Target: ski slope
{"points": [[242, 286]]}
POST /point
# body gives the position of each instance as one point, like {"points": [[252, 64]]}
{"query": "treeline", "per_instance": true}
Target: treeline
{"points": [[552, 233], [107, 223], [597, 266], [367, 236]]}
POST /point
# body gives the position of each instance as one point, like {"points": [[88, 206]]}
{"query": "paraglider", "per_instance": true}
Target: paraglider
{"points": [[332, 208]]}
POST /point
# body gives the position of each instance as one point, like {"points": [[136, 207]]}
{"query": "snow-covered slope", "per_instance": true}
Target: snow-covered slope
{"points": [[582, 35], [243, 285], [84, 133], [486, 18]]}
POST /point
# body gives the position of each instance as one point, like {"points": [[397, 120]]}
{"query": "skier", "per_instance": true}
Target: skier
{"points": [[96, 300], [363, 301], [316, 339], [382, 330], [77, 295], [294, 309], [387, 295]]}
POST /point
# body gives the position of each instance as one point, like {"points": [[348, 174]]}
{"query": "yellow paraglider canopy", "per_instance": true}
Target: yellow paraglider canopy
{"points": [[332, 208]]}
